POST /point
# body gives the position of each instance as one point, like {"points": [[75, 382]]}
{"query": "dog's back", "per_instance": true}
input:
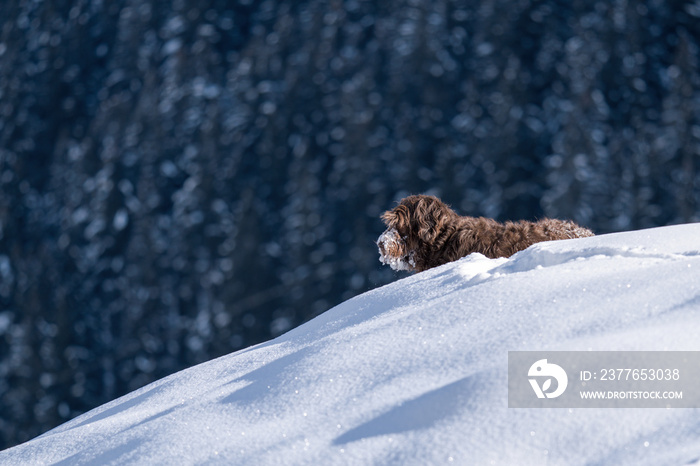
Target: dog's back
{"points": [[496, 239]]}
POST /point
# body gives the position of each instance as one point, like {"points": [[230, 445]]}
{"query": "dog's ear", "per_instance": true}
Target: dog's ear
{"points": [[430, 215], [397, 218]]}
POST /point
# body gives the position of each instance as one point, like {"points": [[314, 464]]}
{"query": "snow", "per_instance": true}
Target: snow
{"points": [[415, 372]]}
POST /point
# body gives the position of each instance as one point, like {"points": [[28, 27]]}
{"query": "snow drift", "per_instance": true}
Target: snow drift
{"points": [[415, 372]]}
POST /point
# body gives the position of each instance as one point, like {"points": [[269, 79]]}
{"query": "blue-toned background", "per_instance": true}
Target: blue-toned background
{"points": [[181, 179]]}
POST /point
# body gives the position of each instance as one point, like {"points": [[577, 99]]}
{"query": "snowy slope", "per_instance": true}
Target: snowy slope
{"points": [[415, 372]]}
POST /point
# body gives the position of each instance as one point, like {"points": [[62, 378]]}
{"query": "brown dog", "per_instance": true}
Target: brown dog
{"points": [[423, 232]]}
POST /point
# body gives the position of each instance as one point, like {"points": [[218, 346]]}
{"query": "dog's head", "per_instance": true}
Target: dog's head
{"points": [[412, 229]]}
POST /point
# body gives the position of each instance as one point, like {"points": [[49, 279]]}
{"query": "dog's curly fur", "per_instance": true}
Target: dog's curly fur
{"points": [[423, 232]]}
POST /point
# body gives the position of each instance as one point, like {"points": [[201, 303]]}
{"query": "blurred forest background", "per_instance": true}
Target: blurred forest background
{"points": [[181, 179]]}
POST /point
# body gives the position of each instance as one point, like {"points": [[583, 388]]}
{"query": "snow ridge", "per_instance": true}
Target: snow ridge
{"points": [[415, 372]]}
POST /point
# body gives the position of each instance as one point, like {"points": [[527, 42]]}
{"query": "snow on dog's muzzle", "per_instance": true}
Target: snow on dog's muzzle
{"points": [[392, 251]]}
